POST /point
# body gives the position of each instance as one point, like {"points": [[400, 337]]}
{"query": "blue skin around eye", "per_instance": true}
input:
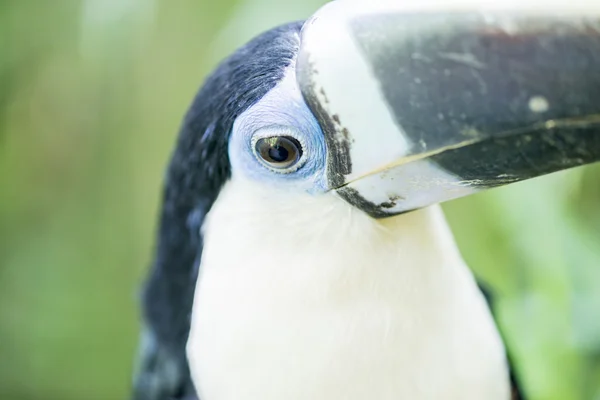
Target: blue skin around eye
{"points": [[280, 108]]}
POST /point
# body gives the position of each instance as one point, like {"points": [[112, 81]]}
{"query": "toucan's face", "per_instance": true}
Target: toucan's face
{"points": [[394, 107], [278, 142]]}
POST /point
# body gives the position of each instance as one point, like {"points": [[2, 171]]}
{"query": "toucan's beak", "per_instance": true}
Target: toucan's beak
{"points": [[422, 102]]}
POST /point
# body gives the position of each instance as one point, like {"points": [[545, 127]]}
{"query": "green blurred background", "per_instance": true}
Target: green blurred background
{"points": [[91, 96]]}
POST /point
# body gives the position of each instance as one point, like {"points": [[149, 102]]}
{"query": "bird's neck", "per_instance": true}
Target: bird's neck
{"points": [[320, 244], [304, 297]]}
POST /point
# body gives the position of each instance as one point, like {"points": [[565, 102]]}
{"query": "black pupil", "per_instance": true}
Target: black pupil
{"points": [[278, 153]]}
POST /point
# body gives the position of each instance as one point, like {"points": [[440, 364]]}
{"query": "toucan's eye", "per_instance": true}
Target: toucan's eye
{"points": [[281, 153]]}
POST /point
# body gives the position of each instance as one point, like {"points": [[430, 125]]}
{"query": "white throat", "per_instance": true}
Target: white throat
{"points": [[305, 297]]}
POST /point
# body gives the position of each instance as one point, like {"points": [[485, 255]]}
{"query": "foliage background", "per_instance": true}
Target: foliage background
{"points": [[91, 96]]}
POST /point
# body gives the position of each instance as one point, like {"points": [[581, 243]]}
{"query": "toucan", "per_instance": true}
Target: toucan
{"points": [[301, 251]]}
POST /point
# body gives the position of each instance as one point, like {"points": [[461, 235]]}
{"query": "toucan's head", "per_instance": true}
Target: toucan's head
{"points": [[365, 111]]}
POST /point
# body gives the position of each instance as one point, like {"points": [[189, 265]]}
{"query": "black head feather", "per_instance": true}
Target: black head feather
{"points": [[199, 167]]}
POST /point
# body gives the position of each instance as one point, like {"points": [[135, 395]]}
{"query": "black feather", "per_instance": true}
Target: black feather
{"points": [[517, 391], [199, 167]]}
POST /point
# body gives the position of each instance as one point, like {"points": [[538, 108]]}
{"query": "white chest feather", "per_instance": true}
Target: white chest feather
{"points": [[303, 297]]}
